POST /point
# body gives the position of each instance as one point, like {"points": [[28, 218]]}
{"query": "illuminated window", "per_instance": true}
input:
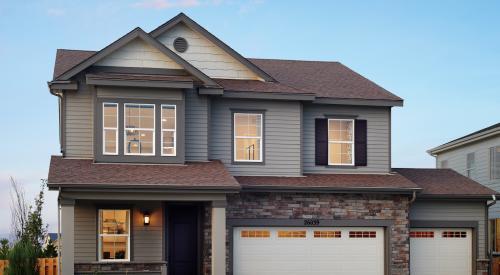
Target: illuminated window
{"points": [[362, 234], [327, 234], [248, 137], [291, 234], [255, 234], [139, 129], [341, 141], [114, 235], [168, 130], [110, 128]]}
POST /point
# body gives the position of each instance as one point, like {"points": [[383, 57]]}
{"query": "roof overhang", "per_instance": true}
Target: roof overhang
{"points": [[464, 141], [62, 85], [139, 81], [266, 95], [359, 102], [321, 189]]}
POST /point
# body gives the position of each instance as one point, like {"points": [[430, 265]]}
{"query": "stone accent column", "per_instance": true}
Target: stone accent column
{"points": [[67, 236], [218, 237]]}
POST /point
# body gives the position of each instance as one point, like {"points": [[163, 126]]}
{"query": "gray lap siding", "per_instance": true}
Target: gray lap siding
{"points": [[270, 206]]}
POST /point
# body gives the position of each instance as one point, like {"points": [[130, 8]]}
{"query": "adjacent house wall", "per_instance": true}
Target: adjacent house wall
{"points": [[454, 211], [378, 134], [457, 160], [282, 126], [146, 241]]}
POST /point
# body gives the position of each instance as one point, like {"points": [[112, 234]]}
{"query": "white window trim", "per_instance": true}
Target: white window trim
{"points": [[469, 171], [110, 128], [344, 142], [169, 130], [493, 161], [138, 129], [257, 137], [99, 235]]}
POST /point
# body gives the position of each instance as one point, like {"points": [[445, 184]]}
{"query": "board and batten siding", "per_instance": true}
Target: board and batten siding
{"points": [[378, 136], [282, 126], [205, 55], [197, 121], [454, 211], [457, 160], [78, 110], [146, 241], [139, 54]]}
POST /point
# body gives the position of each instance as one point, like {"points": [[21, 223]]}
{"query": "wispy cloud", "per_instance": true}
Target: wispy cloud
{"points": [[250, 5], [56, 12], [167, 4]]}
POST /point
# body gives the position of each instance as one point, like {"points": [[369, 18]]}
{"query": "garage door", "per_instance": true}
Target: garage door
{"points": [[320, 250], [441, 251]]}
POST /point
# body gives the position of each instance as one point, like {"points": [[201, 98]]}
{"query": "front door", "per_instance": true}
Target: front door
{"points": [[182, 240]]}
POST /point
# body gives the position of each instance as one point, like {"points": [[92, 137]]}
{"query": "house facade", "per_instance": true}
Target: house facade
{"points": [[477, 156], [180, 156]]}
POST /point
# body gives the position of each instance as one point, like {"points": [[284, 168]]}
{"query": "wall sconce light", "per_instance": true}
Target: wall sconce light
{"points": [[147, 218]]}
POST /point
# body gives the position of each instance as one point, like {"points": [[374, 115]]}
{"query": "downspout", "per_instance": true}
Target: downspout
{"points": [[413, 197], [488, 205], [59, 232], [61, 124]]}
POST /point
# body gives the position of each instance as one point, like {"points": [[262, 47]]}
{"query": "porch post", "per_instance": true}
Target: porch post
{"points": [[218, 237], [67, 236]]}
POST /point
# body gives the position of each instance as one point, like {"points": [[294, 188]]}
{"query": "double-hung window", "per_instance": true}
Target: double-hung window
{"points": [[139, 129], [341, 141], [470, 165], [495, 163], [247, 137], [114, 235], [110, 128], [168, 130]]}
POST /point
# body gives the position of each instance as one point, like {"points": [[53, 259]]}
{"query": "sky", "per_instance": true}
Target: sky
{"points": [[442, 57]]}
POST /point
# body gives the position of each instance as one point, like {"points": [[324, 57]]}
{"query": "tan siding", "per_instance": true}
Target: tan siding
{"points": [[78, 123], [378, 131], [146, 241], [453, 211], [205, 55], [138, 53]]}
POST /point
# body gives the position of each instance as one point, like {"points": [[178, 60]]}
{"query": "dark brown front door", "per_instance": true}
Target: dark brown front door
{"points": [[182, 240]]}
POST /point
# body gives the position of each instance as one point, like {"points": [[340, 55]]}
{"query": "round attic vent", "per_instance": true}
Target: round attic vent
{"points": [[180, 44]]}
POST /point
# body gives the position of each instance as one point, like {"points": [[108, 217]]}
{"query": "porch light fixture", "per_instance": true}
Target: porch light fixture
{"points": [[146, 218]]}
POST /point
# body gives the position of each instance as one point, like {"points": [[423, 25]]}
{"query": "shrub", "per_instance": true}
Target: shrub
{"points": [[4, 249], [22, 258]]}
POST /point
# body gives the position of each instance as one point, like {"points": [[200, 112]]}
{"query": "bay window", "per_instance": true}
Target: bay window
{"points": [[110, 128], [247, 137], [139, 129], [114, 235], [168, 130], [340, 141]]}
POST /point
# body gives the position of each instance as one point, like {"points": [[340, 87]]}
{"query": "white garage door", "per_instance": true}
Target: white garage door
{"points": [[441, 251], [311, 250]]}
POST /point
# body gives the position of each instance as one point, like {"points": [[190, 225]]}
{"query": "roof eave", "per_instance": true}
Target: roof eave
{"points": [[359, 101], [463, 141], [322, 189], [90, 187]]}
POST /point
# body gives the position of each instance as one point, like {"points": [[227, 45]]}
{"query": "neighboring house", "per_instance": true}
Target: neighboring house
{"points": [[476, 156], [51, 237], [180, 156]]}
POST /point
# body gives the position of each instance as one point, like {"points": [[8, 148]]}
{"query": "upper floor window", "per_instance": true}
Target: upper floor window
{"points": [[470, 165], [139, 129], [341, 141], [248, 137], [114, 235], [168, 130], [110, 128], [495, 163]]}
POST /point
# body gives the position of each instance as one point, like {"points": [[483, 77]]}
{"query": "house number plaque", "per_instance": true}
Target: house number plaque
{"points": [[311, 222]]}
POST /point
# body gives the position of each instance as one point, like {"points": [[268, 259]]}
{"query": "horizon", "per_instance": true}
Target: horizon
{"points": [[441, 58]]}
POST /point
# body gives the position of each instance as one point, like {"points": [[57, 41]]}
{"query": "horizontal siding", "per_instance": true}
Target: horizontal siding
{"points": [[378, 132], [139, 93], [146, 241], [457, 160], [196, 126], [205, 55], [453, 211], [78, 123], [282, 124]]}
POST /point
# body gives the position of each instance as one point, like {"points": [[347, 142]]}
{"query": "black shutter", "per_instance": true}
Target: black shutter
{"points": [[321, 136], [360, 140]]}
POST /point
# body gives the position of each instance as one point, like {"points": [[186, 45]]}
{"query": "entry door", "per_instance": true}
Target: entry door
{"points": [[308, 250], [182, 240], [441, 251]]}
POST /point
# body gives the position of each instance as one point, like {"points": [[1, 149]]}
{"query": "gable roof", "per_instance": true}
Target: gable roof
{"points": [[489, 131], [183, 18], [445, 183], [135, 33]]}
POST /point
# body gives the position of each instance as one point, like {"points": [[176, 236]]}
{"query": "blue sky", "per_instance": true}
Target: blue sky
{"points": [[442, 57]]}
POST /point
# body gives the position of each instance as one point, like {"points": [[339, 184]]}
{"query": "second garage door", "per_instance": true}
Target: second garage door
{"points": [[311, 250], [441, 251]]}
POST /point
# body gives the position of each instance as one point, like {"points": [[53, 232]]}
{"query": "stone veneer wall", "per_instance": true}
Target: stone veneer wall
{"points": [[322, 206]]}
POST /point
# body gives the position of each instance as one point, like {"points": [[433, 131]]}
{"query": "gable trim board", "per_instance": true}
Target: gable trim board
{"points": [[182, 18], [124, 40]]}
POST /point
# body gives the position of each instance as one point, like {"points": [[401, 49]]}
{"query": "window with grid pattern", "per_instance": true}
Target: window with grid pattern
{"points": [[291, 234], [454, 234], [255, 234], [422, 234], [362, 234], [327, 234]]}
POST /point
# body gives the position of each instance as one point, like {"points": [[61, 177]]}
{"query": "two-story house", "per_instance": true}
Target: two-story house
{"points": [[477, 156], [181, 156]]}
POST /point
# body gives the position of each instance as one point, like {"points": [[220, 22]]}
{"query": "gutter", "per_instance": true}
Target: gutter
{"points": [[491, 252], [61, 118]]}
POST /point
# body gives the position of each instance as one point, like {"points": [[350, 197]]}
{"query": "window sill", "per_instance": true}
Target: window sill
{"points": [[247, 162], [341, 166]]}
